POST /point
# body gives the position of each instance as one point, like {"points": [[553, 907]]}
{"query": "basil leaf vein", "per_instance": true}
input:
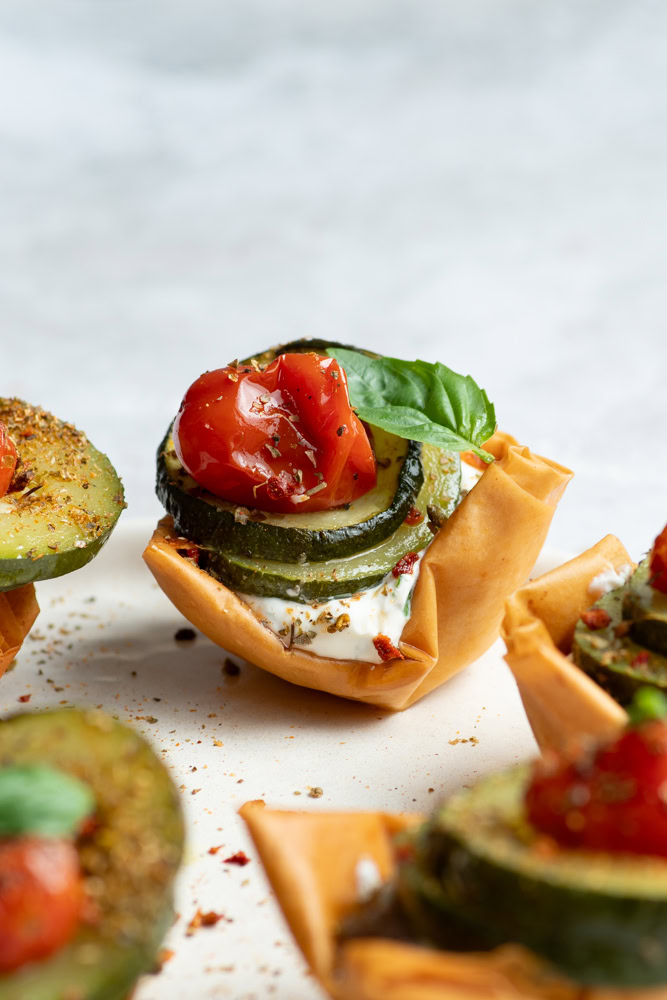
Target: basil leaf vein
{"points": [[419, 401]]}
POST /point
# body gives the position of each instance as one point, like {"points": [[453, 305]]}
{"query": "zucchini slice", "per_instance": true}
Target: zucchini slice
{"points": [[128, 862], [325, 580], [618, 656], [601, 918], [67, 506], [646, 608], [216, 524]]}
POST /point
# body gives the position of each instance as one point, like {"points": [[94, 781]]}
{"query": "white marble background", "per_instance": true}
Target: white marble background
{"points": [[478, 181]]}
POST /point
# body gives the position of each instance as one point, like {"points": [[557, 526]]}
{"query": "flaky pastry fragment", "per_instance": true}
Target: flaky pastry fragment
{"points": [[18, 611], [561, 701], [311, 861], [483, 552]]}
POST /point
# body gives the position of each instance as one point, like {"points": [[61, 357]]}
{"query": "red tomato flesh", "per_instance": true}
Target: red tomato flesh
{"points": [[41, 898], [8, 459], [659, 562], [613, 801], [283, 438]]}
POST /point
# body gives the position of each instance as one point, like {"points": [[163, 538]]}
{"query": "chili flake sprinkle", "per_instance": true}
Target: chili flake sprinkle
{"points": [[386, 649], [405, 564], [414, 516], [595, 618], [240, 858]]}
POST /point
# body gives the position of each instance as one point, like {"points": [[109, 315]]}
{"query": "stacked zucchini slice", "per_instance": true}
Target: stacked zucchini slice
{"points": [[323, 555], [479, 875], [630, 650]]}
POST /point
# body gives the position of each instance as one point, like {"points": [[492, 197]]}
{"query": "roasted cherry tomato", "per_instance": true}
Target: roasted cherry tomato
{"points": [[614, 800], [659, 562], [8, 459], [282, 438], [41, 898]]}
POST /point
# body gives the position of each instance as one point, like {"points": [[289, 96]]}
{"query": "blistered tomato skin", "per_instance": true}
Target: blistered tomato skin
{"points": [[41, 899], [8, 458], [614, 801], [283, 438]]}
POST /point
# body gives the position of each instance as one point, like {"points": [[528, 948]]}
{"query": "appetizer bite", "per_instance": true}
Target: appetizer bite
{"points": [[59, 500], [91, 837], [545, 882], [331, 519], [582, 639]]}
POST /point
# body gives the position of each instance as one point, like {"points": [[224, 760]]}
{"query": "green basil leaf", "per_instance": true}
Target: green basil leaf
{"points": [[42, 801], [419, 401]]}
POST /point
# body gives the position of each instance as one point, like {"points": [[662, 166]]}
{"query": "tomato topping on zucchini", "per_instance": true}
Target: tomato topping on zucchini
{"points": [[569, 860], [281, 437], [41, 899], [612, 800], [8, 457], [92, 836], [658, 562]]}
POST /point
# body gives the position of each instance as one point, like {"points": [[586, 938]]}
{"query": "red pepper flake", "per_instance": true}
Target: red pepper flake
{"points": [[386, 649], [281, 486], [200, 919], [24, 697], [595, 618], [414, 516], [405, 564], [214, 850], [185, 548], [641, 659], [240, 858], [191, 553]]}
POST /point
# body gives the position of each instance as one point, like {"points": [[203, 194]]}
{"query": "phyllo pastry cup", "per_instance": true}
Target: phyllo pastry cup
{"points": [[481, 554], [312, 862], [18, 611], [563, 704]]}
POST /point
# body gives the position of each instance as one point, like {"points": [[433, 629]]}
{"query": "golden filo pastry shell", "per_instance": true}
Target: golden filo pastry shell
{"points": [[18, 611], [563, 704], [484, 551], [310, 860]]}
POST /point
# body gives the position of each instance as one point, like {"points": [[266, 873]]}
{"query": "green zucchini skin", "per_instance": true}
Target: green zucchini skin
{"points": [[214, 524], [337, 578], [608, 657], [601, 919], [130, 861], [64, 515], [646, 608]]}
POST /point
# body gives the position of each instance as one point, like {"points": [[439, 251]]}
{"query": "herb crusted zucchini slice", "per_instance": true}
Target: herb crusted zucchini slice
{"points": [[335, 578], [601, 918], [128, 859], [330, 534], [63, 502]]}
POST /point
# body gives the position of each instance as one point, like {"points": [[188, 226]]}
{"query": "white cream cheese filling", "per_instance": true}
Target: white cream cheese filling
{"points": [[610, 579], [344, 628]]}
